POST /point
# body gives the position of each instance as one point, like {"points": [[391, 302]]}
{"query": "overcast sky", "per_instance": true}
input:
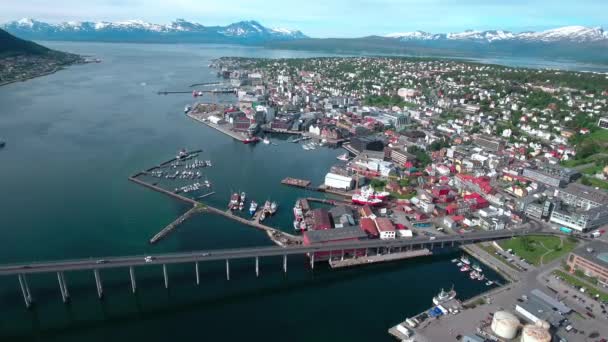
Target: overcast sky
{"points": [[328, 18]]}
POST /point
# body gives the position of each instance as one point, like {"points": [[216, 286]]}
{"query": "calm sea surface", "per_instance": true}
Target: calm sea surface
{"points": [[74, 137]]}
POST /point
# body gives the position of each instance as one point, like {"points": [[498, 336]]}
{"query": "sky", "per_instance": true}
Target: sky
{"points": [[328, 18]]}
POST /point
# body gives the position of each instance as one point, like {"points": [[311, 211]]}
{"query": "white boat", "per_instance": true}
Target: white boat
{"points": [[465, 260], [343, 157], [477, 268], [266, 141], [306, 147], [187, 109], [459, 264], [444, 296], [489, 282]]}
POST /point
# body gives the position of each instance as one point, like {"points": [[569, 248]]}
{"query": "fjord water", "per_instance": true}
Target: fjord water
{"points": [[74, 137]]}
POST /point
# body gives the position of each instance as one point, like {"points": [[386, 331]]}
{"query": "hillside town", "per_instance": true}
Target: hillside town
{"points": [[471, 145], [437, 147]]}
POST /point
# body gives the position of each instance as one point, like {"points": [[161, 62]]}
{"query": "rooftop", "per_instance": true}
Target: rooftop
{"points": [[587, 193], [596, 251], [320, 236]]}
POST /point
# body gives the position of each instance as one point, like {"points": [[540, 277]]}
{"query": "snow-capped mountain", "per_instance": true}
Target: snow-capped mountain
{"points": [[136, 30], [571, 34]]}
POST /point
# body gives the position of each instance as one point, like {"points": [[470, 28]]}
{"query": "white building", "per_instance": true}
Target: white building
{"points": [[336, 181]]}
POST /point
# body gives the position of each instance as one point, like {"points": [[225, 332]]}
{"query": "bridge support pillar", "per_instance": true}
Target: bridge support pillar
{"points": [[342, 256], [441, 244], [197, 274], [62, 287], [366, 252], [285, 263], [98, 283], [452, 243], [257, 266], [227, 270], [25, 291], [132, 274], [165, 276], [312, 261], [378, 251]]}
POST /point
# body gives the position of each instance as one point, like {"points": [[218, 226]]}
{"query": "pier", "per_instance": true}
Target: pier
{"points": [[371, 259], [171, 226], [236, 135], [298, 183]]}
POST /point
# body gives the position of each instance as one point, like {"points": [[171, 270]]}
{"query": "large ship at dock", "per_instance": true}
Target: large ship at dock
{"points": [[366, 197]]}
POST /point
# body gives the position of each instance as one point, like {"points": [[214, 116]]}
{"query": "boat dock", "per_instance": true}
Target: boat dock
{"points": [[279, 237], [366, 260], [299, 183], [415, 326], [171, 226]]}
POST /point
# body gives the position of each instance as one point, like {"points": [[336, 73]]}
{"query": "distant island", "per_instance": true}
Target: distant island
{"points": [[21, 60]]}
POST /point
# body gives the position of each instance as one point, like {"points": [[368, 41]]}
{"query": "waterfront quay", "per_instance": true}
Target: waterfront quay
{"points": [[212, 115]]}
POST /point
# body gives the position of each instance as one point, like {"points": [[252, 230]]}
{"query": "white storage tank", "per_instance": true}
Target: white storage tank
{"points": [[538, 332], [505, 324]]}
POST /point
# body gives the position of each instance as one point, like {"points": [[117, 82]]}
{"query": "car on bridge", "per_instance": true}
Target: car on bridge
{"points": [[148, 259]]}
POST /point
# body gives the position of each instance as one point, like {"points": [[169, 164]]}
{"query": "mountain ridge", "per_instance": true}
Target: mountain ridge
{"points": [[247, 31]]}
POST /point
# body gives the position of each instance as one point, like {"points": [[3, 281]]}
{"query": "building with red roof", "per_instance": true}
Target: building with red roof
{"points": [[320, 219], [369, 227], [386, 229]]}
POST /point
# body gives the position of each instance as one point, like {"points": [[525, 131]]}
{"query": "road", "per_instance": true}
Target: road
{"points": [[241, 253]]}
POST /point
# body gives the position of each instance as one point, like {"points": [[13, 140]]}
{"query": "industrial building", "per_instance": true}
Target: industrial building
{"points": [[592, 260], [312, 237], [320, 219], [337, 181]]}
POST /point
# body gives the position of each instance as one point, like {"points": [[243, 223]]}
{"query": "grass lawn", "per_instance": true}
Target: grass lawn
{"points": [[532, 248], [406, 196], [597, 182], [575, 281], [592, 170]]}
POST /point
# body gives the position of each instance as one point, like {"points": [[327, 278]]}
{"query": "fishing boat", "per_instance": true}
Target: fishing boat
{"points": [[242, 202], [459, 264], [454, 261], [252, 208], [306, 147], [234, 201], [444, 296], [273, 208], [480, 276], [297, 211], [477, 268], [465, 268], [343, 157], [473, 275]]}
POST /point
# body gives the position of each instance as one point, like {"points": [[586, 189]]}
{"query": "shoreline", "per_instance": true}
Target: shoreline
{"points": [[81, 61]]}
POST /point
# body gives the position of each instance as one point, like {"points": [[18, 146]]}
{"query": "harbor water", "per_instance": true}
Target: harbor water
{"points": [[73, 139]]}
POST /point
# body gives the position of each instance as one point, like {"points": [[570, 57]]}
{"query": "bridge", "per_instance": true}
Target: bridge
{"points": [[94, 265]]}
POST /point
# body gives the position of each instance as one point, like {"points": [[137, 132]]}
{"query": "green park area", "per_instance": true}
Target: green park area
{"points": [[539, 250], [577, 282]]}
